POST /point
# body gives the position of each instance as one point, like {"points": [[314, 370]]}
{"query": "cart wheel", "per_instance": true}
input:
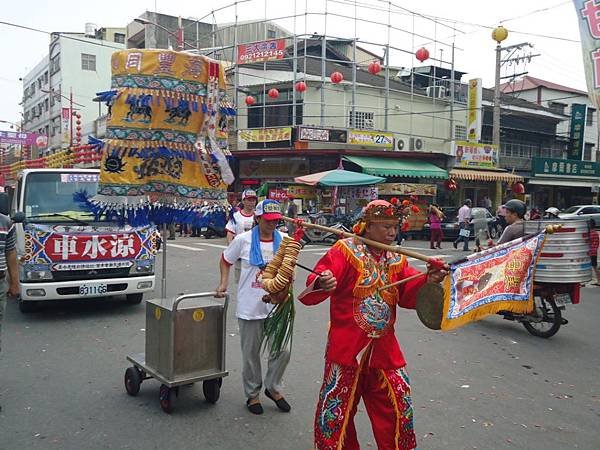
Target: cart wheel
{"points": [[133, 381], [166, 398], [212, 389], [549, 315]]}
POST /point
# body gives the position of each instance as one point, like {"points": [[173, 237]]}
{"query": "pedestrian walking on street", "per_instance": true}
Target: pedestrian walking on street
{"points": [[255, 249], [292, 213], [8, 264], [241, 221], [464, 218], [594, 240], [435, 227], [363, 358]]}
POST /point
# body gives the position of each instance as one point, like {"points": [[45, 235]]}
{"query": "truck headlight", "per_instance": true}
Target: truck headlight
{"points": [[144, 268], [38, 275]]}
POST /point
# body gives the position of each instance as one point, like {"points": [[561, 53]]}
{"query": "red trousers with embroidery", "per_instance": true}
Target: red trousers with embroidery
{"points": [[386, 394]]}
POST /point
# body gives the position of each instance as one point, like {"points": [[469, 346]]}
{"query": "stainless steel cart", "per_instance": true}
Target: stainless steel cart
{"points": [[184, 344]]}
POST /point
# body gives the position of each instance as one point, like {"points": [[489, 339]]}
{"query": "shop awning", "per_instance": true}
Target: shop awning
{"points": [[397, 167], [564, 182], [485, 175]]}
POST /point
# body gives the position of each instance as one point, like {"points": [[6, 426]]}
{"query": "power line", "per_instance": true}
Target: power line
{"points": [[536, 11]]}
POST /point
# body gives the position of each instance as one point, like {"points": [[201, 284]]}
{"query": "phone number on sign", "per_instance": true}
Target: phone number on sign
{"points": [[261, 55]]}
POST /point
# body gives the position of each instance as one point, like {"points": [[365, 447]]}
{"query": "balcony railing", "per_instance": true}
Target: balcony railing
{"points": [[518, 155]]}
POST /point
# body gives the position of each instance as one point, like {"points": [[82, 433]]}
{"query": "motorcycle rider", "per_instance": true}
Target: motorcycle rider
{"points": [[552, 213], [515, 212]]}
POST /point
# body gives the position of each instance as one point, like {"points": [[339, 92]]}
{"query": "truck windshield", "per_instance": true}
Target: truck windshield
{"points": [[49, 195]]}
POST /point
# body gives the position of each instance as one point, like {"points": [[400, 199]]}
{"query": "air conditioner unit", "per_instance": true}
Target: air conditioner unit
{"points": [[369, 124], [410, 144], [436, 91]]}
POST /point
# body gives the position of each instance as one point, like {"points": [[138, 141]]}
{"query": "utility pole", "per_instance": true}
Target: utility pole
{"points": [[496, 121]]}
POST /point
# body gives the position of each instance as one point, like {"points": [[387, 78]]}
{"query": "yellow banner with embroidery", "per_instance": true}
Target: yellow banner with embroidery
{"points": [[163, 69], [132, 168], [146, 114]]}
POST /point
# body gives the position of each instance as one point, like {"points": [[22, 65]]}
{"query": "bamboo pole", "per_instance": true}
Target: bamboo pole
{"points": [[392, 248]]}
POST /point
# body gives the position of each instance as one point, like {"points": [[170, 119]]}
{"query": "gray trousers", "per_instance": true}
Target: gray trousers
{"points": [[3, 290], [251, 333]]}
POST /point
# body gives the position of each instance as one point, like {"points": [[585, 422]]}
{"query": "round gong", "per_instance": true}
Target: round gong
{"points": [[430, 305]]}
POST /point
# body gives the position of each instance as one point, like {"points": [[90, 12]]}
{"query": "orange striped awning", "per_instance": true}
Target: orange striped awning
{"points": [[485, 175]]}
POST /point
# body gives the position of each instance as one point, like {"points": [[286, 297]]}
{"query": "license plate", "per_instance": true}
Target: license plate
{"points": [[562, 299], [87, 290], [203, 229]]}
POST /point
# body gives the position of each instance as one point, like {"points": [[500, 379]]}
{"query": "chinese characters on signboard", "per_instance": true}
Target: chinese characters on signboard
{"points": [[261, 51], [79, 177], [474, 110], [16, 137], [565, 167], [588, 12], [371, 138], [265, 134], [66, 247], [470, 154], [407, 189], [308, 134], [577, 130]]}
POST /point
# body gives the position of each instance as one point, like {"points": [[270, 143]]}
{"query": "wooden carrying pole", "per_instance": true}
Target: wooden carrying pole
{"points": [[437, 263]]}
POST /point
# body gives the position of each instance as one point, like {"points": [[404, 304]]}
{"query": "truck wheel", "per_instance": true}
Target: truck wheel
{"points": [[26, 306], [134, 299]]}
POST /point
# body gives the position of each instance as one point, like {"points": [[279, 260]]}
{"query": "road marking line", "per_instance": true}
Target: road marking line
{"points": [[211, 245], [185, 247]]}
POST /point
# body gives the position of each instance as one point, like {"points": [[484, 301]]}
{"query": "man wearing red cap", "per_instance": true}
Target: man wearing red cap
{"points": [[363, 358]]}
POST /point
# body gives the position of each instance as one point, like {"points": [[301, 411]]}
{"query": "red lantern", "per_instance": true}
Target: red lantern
{"points": [[518, 188], [300, 86], [422, 54], [336, 77], [250, 100], [374, 68], [450, 185], [273, 93]]}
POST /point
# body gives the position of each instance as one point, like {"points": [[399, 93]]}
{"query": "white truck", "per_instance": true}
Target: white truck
{"points": [[65, 253]]}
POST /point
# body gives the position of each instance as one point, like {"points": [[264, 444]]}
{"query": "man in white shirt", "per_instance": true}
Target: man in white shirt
{"points": [[464, 218], [255, 249]]}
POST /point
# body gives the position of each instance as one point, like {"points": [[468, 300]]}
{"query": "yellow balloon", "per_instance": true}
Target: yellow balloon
{"points": [[499, 34]]}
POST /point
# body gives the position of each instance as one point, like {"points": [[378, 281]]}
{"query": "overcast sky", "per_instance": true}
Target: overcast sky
{"points": [[560, 59]]}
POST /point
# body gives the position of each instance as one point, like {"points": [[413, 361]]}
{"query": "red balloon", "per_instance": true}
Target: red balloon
{"points": [[250, 100], [422, 54], [300, 86], [336, 77], [374, 67], [518, 188], [273, 93]]}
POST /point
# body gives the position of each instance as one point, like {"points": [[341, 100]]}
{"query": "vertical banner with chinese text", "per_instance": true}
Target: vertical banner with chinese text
{"points": [[577, 131], [474, 110]]}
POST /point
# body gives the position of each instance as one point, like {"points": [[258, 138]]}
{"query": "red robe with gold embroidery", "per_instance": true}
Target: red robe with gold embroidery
{"points": [[359, 315]]}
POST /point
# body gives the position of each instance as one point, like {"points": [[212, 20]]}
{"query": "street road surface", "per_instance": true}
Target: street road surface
{"points": [[489, 385]]}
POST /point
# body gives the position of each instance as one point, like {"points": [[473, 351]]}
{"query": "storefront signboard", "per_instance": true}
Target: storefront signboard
{"points": [[471, 154], [565, 168], [272, 168], [407, 189], [265, 134], [261, 51], [577, 131], [371, 138], [313, 134]]}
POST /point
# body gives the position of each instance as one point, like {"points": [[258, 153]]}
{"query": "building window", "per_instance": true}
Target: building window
{"points": [[558, 108], [460, 132], [589, 117], [119, 38], [88, 62], [46, 105], [271, 34], [46, 77], [55, 64], [588, 149], [32, 89], [361, 120]]}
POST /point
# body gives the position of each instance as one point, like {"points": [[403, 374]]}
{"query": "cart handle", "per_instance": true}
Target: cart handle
{"points": [[198, 295]]}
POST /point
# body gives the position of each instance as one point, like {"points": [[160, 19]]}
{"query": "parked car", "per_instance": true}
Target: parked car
{"points": [[451, 227], [581, 212]]}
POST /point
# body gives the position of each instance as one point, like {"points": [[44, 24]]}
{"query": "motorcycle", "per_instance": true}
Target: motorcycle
{"points": [[550, 299], [313, 236]]}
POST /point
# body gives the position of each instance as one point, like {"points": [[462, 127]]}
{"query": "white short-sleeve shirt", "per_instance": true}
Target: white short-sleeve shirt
{"points": [[250, 293], [242, 223]]}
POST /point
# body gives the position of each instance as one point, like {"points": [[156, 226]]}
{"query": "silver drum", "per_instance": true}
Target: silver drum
{"points": [[565, 256]]}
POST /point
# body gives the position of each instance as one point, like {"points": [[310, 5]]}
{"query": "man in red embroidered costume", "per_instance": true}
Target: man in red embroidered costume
{"points": [[363, 358]]}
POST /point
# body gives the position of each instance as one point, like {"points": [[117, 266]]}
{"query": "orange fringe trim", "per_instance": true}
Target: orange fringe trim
{"points": [[386, 383], [351, 399]]}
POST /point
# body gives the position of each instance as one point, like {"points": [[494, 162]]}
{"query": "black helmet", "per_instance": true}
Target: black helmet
{"points": [[516, 206]]}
